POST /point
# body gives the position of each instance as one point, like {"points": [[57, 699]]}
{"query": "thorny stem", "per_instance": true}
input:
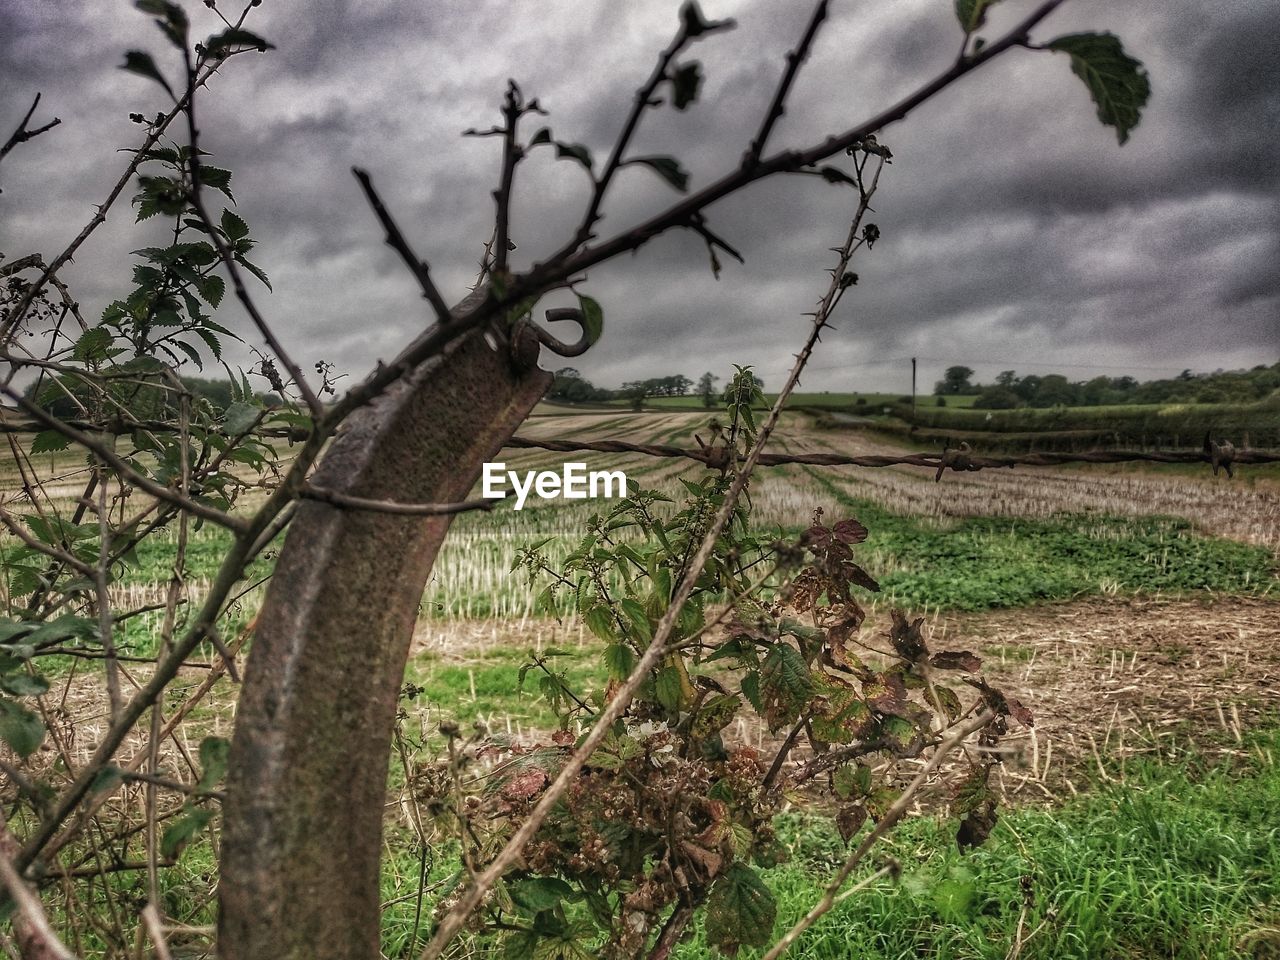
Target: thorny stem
{"points": [[511, 154], [778, 107]]}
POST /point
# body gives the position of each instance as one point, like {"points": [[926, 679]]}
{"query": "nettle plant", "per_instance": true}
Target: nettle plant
{"points": [[675, 811]]}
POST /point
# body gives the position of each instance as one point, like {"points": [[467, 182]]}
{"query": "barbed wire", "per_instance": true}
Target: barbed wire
{"points": [[961, 459]]}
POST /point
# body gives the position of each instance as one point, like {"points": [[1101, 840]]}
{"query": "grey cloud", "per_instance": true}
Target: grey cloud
{"points": [[1014, 228]]}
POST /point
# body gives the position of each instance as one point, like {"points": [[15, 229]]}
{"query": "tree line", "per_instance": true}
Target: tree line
{"points": [[570, 386], [1010, 391]]}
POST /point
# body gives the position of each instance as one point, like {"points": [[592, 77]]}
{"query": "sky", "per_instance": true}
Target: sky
{"points": [[1016, 233]]}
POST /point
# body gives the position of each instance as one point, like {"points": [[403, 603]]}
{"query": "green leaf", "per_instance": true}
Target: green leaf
{"points": [[954, 896], [211, 290], [218, 178], [599, 620], [542, 136], [972, 13], [750, 687], [20, 728], [785, 684], [234, 226], [592, 318], [240, 416], [715, 714], [213, 761], [634, 611], [221, 43], [182, 831], [851, 781], [668, 168], [540, 893], [574, 151], [24, 684], [685, 83], [619, 660], [669, 688], [255, 270], [49, 441], [740, 910], [136, 61], [92, 345], [1117, 83], [170, 18]]}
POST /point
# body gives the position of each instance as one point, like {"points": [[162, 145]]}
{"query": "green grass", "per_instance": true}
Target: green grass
{"points": [[1183, 861], [985, 562], [487, 686]]}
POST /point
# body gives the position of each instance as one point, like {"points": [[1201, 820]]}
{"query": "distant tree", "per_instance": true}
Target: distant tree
{"points": [[995, 398], [955, 381], [1027, 387], [1006, 379], [1056, 390], [707, 389]]}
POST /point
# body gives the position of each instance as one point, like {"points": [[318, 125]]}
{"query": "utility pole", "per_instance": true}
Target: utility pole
{"points": [[913, 391]]}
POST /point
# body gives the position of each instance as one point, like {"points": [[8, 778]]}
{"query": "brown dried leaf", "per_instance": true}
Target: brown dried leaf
{"points": [[849, 531], [957, 660], [816, 537], [855, 574], [908, 638], [849, 820]]}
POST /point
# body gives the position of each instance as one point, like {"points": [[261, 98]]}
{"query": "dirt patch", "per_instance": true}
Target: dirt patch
{"points": [[1111, 680]]}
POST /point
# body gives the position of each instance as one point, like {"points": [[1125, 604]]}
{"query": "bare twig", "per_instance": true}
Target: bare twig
{"points": [[155, 930], [22, 134], [777, 108], [395, 240], [574, 259], [512, 152], [228, 258]]}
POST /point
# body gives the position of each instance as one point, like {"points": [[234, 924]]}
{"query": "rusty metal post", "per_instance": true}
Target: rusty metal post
{"points": [[306, 789]]}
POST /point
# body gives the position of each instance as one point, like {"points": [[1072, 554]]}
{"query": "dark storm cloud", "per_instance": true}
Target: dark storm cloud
{"points": [[1015, 230]]}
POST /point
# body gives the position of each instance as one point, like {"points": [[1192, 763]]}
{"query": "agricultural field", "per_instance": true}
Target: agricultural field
{"points": [[1135, 612]]}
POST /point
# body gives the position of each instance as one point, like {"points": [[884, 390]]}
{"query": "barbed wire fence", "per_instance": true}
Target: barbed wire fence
{"points": [[1220, 455]]}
